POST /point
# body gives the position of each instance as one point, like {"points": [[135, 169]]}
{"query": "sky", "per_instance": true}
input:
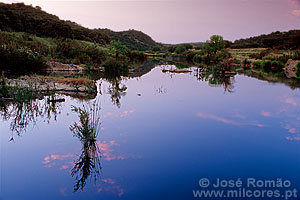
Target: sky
{"points": [[180, 21]]}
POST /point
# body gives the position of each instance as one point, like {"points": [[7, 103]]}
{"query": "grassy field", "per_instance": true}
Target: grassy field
{"points": [[244, 53], [264, 54]]}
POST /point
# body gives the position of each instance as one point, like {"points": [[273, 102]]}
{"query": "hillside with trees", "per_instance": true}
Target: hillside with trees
{"points": [[19, 17], [133, 39], [277, 40]]}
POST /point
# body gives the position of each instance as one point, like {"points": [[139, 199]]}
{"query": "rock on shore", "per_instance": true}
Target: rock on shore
{"points": [[43, 84]]}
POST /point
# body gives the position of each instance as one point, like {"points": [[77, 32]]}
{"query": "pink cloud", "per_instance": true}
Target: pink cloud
{"points": [[296, 13], [265, 114], [52, 160], [126, 112], [108, 180], [260, 125], [217, 118], [108, 153], [292, 130], [293, 138], [65, 167], [291, 101], [122, 114], [110, 186], [293, 2], [62, 191]]}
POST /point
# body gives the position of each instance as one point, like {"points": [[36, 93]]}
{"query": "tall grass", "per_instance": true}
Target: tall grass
{"points": [[87, 130], [268, 66]]}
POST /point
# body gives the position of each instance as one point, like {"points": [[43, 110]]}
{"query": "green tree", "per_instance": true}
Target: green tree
{"points": [[180, 49], [216, 43], [171, 49], [118, 48], [188, 46], [156, 48]]}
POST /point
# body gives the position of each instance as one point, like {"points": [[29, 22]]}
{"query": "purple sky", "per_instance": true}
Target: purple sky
{"points": [[178, 21]]}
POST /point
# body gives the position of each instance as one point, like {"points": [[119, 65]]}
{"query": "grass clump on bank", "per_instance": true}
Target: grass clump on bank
{"points": [[269, 66]]}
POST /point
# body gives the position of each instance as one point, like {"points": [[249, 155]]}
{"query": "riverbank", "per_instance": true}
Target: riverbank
{"points": [[26, 88]]}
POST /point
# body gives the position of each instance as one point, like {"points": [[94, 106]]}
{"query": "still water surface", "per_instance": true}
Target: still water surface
{"points": [[159, 134]]}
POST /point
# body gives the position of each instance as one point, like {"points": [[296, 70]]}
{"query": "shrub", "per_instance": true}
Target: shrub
{"points": [[3, 87], [197, 59], [136, 56], [268, 66], [296, 55], [236, 61], [190, 56], [257, 64], [188, 46], [156, 48], [298, 66], [246, 63], [222, 55], [171, 49], [180, 49], [226, 64], [114, 68], [276, 66], [20, 60], [76, 52], [298, 70], [283, 59]]}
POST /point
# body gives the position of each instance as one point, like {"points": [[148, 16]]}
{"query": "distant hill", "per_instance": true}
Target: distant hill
{"points": [[133, 39], [279, 40], [19, 17]]}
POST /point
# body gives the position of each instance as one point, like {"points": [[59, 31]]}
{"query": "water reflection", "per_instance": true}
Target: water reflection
{"points": [[23, 114], [215, 79], [116, 90], [239, 136], [292, 83], [86, 130]]}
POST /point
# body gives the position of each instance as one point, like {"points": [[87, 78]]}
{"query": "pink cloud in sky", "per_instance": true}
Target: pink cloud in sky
{"points": [[293, 138], [265, 114], [108, 152], [260, 125], [293, 2], [292, 130], [291, 101], [55, 159], [296, 13], [216, 118]]}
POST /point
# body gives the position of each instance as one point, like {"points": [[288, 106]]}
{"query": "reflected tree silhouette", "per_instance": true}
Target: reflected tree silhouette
{"points": [[22, 114], [86, 130], [116, 90], [215, 79]]}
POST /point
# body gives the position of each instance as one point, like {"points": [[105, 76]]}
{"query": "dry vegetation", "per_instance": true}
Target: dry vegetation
{"points": [[84, 81]]}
